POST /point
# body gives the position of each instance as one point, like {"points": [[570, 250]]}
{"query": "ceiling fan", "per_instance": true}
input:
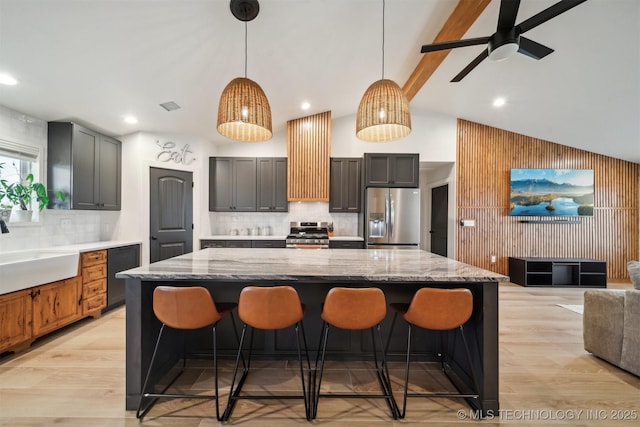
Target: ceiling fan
{"points": [[507, 39]]}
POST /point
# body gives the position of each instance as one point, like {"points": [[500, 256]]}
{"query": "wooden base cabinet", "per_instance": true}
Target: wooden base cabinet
{"points": [[27, 314], [56, 304], [15, 319], [94, 281]]}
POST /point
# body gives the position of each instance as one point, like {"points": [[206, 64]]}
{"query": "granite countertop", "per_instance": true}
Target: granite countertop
{"points": [[271, 237], [238, 264]]}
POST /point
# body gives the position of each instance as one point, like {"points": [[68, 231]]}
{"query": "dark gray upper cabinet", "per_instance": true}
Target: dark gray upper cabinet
{"points": [[272, 184], [392, 170], [344, 186], [232, 184], [85, 165]]}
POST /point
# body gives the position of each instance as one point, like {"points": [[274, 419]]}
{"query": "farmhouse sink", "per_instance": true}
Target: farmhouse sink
{"points": [[25, 269]]}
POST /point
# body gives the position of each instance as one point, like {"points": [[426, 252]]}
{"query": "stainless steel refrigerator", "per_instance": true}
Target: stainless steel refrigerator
{"points": [[392, 218]]}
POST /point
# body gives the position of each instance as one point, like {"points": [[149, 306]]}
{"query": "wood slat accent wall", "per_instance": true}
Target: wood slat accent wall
{"points": [[485, 156], [308, 153]]}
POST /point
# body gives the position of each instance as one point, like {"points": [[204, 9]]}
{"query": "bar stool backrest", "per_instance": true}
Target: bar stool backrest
{"points": [[354, 308], [275, 307], [184, 307], [440, 309]]}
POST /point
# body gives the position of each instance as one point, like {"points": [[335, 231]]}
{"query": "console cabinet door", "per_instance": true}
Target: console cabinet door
{"points": [[344, 185], [56, 304]]}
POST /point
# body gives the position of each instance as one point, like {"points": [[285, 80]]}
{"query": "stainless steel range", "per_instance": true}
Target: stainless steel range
{"points": [[308, 235]]}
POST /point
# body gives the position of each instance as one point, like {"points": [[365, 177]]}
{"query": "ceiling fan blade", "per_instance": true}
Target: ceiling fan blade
{"points": [[508, 13], [453, 44], [473, 64], [533, 49], [547, 14]]}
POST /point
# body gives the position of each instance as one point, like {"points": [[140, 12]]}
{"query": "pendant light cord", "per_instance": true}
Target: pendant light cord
{"points": [[245, 49], [383, 4]]}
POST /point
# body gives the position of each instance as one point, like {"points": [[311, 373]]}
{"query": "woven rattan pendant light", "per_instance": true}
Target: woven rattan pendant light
{"points": [[244, 113], [383, 113]]}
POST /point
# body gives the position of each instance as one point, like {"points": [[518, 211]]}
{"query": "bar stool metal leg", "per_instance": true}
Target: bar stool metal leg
{"points": [[439, 310], [341, 310], [169, 304], [270, 308]]}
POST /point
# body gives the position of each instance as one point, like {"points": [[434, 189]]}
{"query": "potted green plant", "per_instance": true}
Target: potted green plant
{"points": [[22, 193]]}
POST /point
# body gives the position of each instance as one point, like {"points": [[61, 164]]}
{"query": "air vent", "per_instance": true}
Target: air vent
{"points": [[170, 106]]}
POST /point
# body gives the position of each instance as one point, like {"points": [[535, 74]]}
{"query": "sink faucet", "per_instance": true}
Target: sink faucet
{"points": [[3, 226]]}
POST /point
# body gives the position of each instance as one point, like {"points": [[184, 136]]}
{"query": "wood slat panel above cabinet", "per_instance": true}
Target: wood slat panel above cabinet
{"points": [[308, 152]]}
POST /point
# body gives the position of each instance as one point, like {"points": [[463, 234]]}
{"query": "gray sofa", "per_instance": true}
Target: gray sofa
{"points": [[611, 323]]}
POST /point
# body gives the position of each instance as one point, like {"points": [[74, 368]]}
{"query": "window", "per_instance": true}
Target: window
{"points": [[17, 161]]}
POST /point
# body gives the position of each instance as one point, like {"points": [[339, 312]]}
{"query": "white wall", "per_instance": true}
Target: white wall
{"points": [[140, 152], [433, 136]]}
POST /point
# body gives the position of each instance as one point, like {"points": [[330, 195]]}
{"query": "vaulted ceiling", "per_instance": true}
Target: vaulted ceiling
{"points": [[97, 61]]}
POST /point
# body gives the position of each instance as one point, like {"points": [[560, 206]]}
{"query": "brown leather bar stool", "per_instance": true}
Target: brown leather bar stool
{"points": [[355, 309], [437, 310], [270, 308], [184, 308]]}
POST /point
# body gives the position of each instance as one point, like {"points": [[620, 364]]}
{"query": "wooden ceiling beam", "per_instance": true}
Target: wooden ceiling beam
{"points": [[458, 23]]}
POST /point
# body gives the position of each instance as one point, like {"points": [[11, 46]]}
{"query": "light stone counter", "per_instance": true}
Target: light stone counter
{"points": [[334, 265]]}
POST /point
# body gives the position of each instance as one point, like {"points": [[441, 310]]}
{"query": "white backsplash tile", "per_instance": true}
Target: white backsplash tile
{"points": [[223, 223], [59, 228]]}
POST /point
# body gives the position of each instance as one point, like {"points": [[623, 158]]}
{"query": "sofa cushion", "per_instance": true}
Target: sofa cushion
{"points": [[602, 323], [630, 359], [634, 273]]}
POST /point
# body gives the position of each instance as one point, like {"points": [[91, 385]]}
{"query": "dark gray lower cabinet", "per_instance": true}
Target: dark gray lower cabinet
{"points": [[119, 259], [346, 244], [204, 244]]}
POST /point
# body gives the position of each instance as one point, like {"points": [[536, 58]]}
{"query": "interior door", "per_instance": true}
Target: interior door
{"points": [[171, 213], [439, 219]]}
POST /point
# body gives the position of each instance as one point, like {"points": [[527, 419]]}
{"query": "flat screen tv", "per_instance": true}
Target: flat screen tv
{"points": [[551, 192]]}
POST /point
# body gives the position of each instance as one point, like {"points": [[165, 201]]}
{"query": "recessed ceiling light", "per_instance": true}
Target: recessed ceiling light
{"points": [[131, 120], [499, 102], [305, 105], [7, 79]]}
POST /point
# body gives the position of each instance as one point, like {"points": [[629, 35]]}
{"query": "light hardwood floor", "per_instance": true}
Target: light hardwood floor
{"points": [[76, 378]]}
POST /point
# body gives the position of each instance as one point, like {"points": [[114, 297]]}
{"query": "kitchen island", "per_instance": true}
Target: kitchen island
{"points": [[399, 273]]}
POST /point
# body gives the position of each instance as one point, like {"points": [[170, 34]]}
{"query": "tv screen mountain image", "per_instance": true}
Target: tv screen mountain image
{"points": [[551, 192]]}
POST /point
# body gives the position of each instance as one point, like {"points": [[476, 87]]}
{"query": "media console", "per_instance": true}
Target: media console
{"points": [[560, 272]]}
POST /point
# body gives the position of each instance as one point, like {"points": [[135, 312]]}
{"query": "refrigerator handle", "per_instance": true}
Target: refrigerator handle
{"points": [[392, 215], [386, 214]]}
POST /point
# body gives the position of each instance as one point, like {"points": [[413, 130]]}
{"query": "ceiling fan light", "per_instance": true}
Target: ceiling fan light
{"points": [[383, 113], [244, 113], [504, 51]]}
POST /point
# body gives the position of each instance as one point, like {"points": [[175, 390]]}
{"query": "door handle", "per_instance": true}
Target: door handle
{"points": [[154, 238]]}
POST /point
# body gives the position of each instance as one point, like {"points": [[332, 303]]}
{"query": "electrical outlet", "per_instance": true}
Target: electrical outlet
{"points": [[493, 259]]}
